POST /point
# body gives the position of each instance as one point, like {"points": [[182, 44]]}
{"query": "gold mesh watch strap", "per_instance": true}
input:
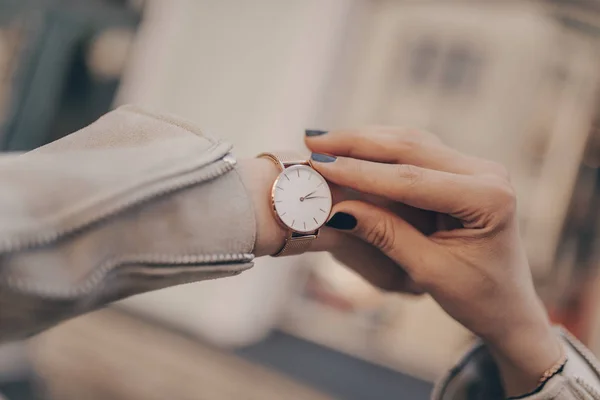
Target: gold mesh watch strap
{"points": [[295, 243]]}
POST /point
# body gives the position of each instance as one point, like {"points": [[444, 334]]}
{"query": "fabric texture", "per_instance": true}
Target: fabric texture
{"points": [[132, 203]]}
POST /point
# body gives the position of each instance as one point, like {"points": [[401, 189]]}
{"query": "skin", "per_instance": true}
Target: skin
{"points": [[429, 219]]}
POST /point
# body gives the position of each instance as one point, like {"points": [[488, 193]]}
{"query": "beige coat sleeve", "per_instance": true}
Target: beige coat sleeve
{"points": [[132, 203], [476, 377]]}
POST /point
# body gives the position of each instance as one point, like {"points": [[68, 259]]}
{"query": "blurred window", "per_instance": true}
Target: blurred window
{"points": [[422, 61], [461, 70]]}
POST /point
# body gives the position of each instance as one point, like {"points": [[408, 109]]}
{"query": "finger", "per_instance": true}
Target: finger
{"points": [[393, 236], [370, 263], [425, 221], [394, 146], [341, 193], [418, 187]]}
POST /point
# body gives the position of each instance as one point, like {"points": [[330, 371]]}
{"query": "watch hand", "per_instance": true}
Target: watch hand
{"points": [[306, 197], [315, 197]]}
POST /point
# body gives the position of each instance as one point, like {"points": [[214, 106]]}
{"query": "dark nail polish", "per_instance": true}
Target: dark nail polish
{"points": [[322, 158], [311, 132], [341, 220]]}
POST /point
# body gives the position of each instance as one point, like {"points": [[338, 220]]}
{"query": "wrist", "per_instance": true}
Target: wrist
{"points": [[258, 176], [524, 354]]}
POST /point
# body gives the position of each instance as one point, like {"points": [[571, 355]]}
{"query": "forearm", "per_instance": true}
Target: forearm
{"points": [[258, 175]]}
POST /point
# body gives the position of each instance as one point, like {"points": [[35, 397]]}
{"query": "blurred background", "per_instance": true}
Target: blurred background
{"points": [[514, 81]]}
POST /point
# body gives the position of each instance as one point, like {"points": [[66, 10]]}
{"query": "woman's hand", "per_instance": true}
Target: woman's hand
{"points": [[473, 263]]}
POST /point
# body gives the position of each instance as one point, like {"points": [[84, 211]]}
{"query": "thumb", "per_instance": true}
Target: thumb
{"points": [[395, 237]]}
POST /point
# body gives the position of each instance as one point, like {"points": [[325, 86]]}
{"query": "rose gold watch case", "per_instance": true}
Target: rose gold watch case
{"points": [[292, 231]]}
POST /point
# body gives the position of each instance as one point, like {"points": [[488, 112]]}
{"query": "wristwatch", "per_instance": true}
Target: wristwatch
{"points": [[300, 199]]}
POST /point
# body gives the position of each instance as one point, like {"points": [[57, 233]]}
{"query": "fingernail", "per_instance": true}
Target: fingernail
{"points": [[343, 221], [311, 132], [324, 158]]}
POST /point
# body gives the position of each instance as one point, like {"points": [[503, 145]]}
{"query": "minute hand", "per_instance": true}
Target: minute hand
{"points": [[308, 195], [315, 197]]}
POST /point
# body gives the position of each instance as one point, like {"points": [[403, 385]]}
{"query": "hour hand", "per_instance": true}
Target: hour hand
{"points": [[315, 197], [307, 196]]}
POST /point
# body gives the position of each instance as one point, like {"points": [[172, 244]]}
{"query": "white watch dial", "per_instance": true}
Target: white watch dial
{"points": [[302, 198]]}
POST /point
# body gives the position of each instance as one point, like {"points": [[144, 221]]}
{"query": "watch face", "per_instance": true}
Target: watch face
{"points": [[302, 198]]}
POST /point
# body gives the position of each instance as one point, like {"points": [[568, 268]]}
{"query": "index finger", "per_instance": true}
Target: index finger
{"points": [[423, 188], [394, 146]]}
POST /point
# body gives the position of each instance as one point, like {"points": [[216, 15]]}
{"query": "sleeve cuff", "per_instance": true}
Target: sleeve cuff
{"points": [[476, 375]]}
